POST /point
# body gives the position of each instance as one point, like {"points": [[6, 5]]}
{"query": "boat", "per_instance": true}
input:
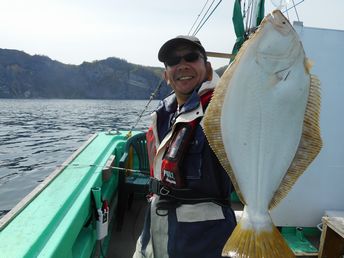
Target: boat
{"points": [[59, 217], [93, 204]]}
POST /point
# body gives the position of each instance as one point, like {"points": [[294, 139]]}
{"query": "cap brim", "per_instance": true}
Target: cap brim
{"points": [[172, 44]]}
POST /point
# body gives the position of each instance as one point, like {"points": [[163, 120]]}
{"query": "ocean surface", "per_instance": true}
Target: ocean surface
{"points": [[36, 136]]}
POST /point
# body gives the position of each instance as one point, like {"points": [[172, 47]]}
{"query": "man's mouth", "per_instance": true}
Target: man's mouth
{"points": [[184, 78]]}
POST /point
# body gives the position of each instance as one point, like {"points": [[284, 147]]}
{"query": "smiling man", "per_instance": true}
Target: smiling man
{"points": [[189, 213], [186, 66]]}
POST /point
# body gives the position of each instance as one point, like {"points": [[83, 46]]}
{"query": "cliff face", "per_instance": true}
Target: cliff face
{"points": [[26, 76]]}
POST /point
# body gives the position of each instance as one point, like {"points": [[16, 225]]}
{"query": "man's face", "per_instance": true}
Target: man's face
{"points": [[185, 76]]}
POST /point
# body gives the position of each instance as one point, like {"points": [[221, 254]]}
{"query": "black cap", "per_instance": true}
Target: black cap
{"points": [[172, 44]]}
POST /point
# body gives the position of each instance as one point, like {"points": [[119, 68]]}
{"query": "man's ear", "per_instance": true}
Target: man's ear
{"points": [[209, 71], [165, 75]]}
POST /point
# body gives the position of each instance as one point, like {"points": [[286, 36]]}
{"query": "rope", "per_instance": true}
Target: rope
{"points": [[198, 17], [250, 15], [247, 12], [208, 17], [294, 5], [194, 33], [297, 15], [244, 12], [202, 22], [286, 11]]}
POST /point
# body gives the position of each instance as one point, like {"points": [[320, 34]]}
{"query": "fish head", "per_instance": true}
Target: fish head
{"points": [[278, 44], [280, 23]]}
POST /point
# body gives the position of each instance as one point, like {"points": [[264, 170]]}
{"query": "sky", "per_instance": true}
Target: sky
{"points": [[74, 31]]}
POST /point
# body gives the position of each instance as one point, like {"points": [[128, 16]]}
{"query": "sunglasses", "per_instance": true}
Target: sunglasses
{"points": [[190, 58]]}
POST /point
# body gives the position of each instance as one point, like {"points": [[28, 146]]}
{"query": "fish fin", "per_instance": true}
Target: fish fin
{"points": [[246, 242], [212, 117], [308, 65], [309, 146], [212, 126], [212, 123]]}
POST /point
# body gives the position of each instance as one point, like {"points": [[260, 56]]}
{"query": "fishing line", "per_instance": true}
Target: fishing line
{"points": [[76, 166]]}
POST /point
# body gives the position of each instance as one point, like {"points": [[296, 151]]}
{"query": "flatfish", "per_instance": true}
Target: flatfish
{"points": [[263, 125]]}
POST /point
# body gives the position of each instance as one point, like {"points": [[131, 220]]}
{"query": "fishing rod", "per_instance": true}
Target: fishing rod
{"points": [[152, 96]]}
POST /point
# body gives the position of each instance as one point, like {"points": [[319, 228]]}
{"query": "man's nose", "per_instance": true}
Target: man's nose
{"points": [[183, 64]]}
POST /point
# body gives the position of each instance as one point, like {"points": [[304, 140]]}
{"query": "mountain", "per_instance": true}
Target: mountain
{"points": [[26, 76]]}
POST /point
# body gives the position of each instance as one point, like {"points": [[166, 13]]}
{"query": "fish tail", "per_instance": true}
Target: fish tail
{"points": [[250, 243]]}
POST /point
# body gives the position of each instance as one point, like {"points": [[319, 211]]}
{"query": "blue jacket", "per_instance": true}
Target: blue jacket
{"points": [[189, 230]]}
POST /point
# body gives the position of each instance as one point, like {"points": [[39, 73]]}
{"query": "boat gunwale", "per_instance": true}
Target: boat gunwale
{"points": [[4, 221]]}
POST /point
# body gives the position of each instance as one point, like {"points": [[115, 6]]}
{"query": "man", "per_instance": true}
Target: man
{"points": [[189, 213]]}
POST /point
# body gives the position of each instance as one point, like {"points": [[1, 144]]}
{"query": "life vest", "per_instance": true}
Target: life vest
{"points": [[171, 174]]}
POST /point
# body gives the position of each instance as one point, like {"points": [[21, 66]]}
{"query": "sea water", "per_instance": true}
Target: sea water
{"points": [[36, 136]]}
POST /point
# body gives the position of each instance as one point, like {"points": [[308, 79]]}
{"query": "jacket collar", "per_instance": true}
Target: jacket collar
{"points": [[167, 107]]}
